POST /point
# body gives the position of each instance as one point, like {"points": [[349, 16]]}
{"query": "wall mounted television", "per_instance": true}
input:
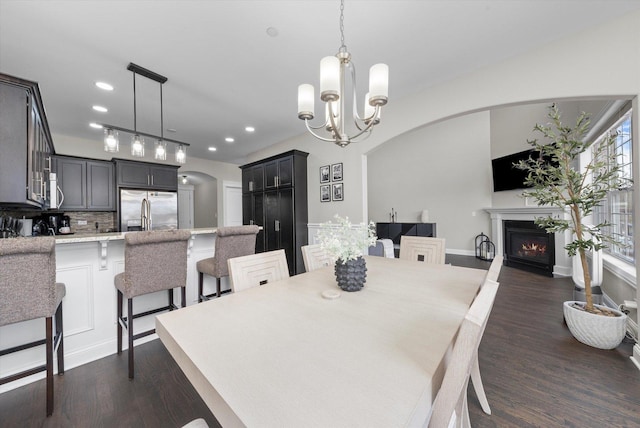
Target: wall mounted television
{"points": [[505, 175]]}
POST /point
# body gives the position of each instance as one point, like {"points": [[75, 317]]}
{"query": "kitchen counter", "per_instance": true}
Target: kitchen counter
{"points": [[87, 265], [113, 236]]}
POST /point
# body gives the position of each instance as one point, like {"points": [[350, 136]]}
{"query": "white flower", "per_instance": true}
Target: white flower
{"points": [[344, 241]]}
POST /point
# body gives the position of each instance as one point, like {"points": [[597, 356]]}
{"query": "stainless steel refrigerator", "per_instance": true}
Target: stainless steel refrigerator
{"points": [[163, 208]]}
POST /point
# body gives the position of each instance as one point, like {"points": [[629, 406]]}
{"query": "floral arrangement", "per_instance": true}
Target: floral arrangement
{"points": [[344, 241]]}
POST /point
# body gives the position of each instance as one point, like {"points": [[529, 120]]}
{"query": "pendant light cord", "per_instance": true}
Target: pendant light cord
{"points": [[135, 128]]}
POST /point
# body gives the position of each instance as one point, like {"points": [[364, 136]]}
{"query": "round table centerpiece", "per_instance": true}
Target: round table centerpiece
{"points": [[347, 243]]}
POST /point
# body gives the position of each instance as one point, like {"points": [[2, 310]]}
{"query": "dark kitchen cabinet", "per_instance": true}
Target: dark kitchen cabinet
{"points": [[280, 205], [278, 173], [26, 144], [87, 185], [253, 179], [145, 175]]}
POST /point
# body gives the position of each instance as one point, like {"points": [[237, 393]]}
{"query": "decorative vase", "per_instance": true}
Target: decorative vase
{"points": [[595, 330], [352, 274]]}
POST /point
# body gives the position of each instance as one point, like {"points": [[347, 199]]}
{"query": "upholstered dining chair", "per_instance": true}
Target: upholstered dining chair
{"points": [[314, 257], [257, 269], [422, 249], [231, 241], [450, 406], [153, 261], [29, 291]]}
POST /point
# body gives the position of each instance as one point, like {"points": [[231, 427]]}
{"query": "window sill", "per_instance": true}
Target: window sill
{"points": [[623, 270]]}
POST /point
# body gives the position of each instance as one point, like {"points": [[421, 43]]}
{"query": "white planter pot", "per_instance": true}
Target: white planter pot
{"points": [[595, 330]]}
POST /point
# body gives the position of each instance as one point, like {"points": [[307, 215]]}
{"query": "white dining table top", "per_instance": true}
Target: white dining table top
{"points": [[281, 355]]}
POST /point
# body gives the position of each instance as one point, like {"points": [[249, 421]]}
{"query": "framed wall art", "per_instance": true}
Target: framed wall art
{"points": [[324, 174], [325, 193], [336, 172], [338, 192]]}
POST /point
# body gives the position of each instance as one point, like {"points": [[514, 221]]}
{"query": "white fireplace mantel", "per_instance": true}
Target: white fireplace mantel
{"points": [[562, 266]]}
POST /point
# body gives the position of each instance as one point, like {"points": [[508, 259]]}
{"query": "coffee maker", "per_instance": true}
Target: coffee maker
{"points": [[54, 222]]}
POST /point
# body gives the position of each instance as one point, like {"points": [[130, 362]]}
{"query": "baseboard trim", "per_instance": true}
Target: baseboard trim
{"points": [[636, 356]]}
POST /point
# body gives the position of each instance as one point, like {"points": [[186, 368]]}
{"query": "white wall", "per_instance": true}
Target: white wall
{"points": [[445, 168], [206, 210]]}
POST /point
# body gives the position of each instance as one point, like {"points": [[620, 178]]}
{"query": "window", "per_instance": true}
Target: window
{"points": [[617, 208]]}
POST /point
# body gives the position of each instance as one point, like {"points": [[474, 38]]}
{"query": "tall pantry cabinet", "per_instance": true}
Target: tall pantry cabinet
{"points": [[274, 196]]}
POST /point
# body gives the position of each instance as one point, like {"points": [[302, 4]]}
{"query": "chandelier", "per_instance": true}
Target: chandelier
{"points": [[111, 140], [332, 92]]}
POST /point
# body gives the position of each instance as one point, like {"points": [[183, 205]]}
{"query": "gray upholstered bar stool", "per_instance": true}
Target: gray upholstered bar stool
{"points": [[231, 241], [28, 291], [153, 261]]}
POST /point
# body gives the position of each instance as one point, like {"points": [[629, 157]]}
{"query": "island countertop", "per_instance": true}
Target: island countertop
{"points": [[114, 236]]}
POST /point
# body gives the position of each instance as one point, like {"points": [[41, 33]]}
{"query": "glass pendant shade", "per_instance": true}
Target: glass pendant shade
{"points": [[160, 150], [379, 84], [111, 143], [329, 78], [305, 101], [137, 146], [181, 154]]}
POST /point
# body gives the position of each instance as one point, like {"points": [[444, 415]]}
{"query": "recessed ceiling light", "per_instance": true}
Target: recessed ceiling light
{"points": [[100, 109], [249, 129], [95, 125], [212, 149], [105, 86], [272, 31], [229, 140]]}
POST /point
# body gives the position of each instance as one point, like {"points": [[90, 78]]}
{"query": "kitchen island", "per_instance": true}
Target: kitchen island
{"points": [[87, 264]]}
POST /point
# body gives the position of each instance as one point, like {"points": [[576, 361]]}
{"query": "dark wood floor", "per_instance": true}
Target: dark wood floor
{"points": [[535, 375]]}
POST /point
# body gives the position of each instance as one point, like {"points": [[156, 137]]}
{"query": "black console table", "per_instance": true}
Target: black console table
{"points": [[394, 231]]}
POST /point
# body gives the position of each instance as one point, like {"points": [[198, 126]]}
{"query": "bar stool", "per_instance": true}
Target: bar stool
{"points": [[29, 291], [153, 261], [231, 241]]}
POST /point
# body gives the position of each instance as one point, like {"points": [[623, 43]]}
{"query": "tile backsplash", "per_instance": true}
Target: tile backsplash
{"points": [[106, 221]]}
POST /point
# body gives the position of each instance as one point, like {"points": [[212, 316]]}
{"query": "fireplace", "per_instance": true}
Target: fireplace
{"points": [[528, 247]]}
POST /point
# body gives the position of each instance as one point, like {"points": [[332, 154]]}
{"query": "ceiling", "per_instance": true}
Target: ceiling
{"points": [[226, 72]]}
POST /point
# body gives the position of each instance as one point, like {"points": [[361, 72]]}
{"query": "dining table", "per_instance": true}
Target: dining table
{"points": [[300, 352]]}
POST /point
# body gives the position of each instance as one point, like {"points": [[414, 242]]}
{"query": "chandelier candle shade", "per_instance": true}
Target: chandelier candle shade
{"points": [[332, 92], [111, 142]]}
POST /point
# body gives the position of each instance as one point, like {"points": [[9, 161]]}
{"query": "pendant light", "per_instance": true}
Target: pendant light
{"points": [[111, 142]]}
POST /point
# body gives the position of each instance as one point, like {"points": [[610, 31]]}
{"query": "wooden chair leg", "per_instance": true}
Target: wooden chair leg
{"points": [[119, 327], [478, 387], [49, 364], [200, 286], [59, 336], [183, 295], [130, 331], [218, 288], [171, 305]]}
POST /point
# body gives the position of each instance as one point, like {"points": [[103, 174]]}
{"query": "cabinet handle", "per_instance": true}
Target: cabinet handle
{"points": [[251, 186], [251, 222], [148, 180], [277, 226], [48, 168], [152, 180], [277, 181]]}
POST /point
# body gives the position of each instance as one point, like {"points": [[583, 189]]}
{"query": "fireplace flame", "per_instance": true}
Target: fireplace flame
{"points": [[534, 248]]}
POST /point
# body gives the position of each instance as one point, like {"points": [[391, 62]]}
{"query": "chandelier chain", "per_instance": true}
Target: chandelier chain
{"points": [[342, 45]]}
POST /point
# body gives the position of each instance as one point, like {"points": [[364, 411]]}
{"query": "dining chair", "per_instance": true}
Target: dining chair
{"points": [[231, 241], [476, 380], [495, 267], [450, 406], [315, 257], [422, 249], [197, 423], [29, 291], [382, 248], [257, 269], [153, 261]]}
